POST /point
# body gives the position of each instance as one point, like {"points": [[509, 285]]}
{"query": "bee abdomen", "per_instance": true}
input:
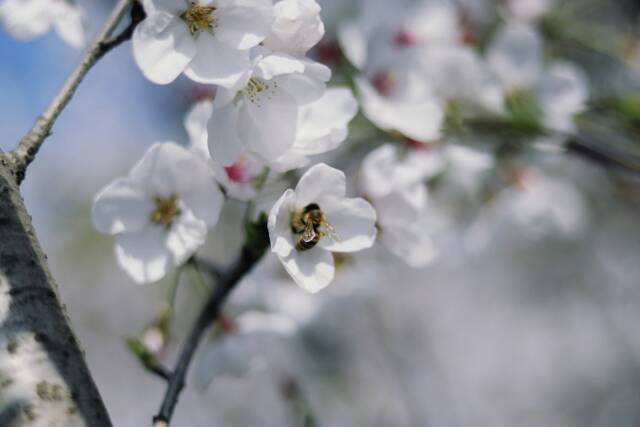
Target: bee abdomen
{"points": [[302, 245]]}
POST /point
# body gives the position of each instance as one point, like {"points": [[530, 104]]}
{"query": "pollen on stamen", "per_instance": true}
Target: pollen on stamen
{"points": [[255, 87], [166, 211], [199, 18]]}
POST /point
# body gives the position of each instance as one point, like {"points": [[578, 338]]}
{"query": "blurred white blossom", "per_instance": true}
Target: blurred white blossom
{"points": [[297, 27], [559, 89], [396, 95], [395, 182], [27, 19]]}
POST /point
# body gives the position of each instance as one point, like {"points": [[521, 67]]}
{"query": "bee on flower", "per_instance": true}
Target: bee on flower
{"points": [[308, 224]]}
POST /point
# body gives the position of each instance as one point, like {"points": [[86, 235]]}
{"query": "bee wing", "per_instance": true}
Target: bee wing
{"points": [[309, 233]]}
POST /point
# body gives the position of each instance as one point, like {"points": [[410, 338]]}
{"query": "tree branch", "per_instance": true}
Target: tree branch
{"points": [[608, 157], [24, 154], [44, 379], [226, 282]]}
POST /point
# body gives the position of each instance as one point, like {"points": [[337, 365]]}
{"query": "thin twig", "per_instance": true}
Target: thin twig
{"points": [[608, 157], [207, 266], [29, 145], [579, 143], [161, 371], [225, 284]]}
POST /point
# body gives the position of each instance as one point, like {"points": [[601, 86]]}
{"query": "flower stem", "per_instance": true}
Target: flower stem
{"points": [[226, 282]]}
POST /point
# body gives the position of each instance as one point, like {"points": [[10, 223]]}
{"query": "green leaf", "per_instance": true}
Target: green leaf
{"points": [[257, 234], [144, 356], [524, 113]]}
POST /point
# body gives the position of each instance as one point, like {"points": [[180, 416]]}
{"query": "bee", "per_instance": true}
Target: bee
{"points": [[311, 225]]}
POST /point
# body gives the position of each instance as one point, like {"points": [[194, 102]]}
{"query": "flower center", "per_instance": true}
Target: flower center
{"points": [[166, 211], [236, 173], [255, 88], [404, 38], [384, 83], [199, 18]]}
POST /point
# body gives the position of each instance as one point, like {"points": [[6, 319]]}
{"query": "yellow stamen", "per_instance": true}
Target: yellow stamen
{"points": [[199, 18], [166, 211]]}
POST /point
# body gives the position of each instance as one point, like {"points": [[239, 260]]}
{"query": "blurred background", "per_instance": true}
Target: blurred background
{"points": [[528, 317]]}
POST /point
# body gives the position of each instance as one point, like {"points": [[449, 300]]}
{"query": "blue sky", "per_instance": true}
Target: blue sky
{"points": [[115, 115]]}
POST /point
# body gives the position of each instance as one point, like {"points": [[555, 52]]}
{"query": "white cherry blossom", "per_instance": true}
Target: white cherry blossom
{"points": [[466, 167], [241, 179], [396, 95], [384, 25], [208, 40], [322, 126], [259, 115], [539, 205], [395, 182], [459, 74], [544, 205], [528, 10], [27, 19], [309, 223], [254, 342], [560, 89], [297, 27], [160, 212]]}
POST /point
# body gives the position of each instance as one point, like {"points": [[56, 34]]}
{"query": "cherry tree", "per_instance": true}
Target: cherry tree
{"points": [[449, 116]]}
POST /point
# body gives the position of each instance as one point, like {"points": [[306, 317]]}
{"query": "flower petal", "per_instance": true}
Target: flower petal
{"points": [[268, 123], [162, 173], [276, 64], [279, 226], [312, 270], [121, 207], [297, 27], [410, 242], [157, 170], [354, 221], [196, 125], [320, 180], [244, 24], [216, 63], [301, 87], [25, 20], [143, 254], [320, 123], [224, 143], [562, 93], [68, 23], [419, 120], [162, 47], [515, 55], [186, 236]]}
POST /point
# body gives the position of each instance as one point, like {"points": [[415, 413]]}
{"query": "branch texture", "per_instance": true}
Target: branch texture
{"points": [[226, 282], [28, 147], [44, 380]]}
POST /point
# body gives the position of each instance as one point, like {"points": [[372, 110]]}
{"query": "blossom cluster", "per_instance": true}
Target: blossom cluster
{"points": [[271, 113], [419, 70], [456, 112]]}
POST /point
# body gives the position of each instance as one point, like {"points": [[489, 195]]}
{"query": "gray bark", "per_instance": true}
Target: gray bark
{"points": [[44, 380]]}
